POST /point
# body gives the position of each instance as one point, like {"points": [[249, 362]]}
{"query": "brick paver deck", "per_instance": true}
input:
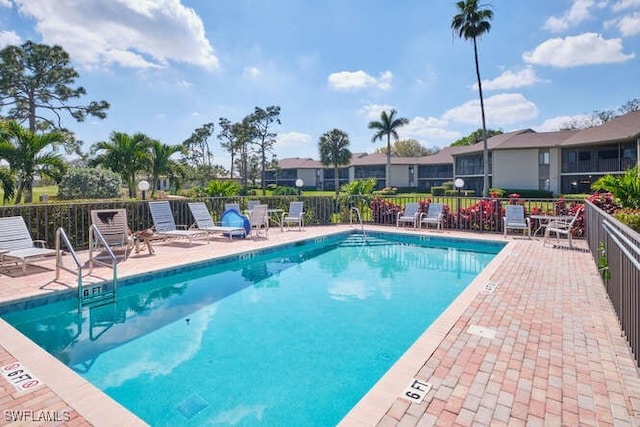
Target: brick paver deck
{"points": [[557, 357]]}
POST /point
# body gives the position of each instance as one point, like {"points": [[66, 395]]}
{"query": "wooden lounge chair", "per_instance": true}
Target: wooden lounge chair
{"points": [[112, 225], [434, 216], [294, 216], [164, 224], [204, 222], [16, 244], [514, 219]]}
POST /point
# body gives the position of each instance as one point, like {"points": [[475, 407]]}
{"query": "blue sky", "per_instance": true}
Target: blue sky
{"points": [[169, 66]]}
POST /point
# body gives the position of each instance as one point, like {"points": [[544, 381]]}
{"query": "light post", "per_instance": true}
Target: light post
{"points": [[299, 184], [143, 186], [459, 183]]}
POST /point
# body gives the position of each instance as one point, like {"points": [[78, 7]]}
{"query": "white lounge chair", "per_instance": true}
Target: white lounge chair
{"points": [[409, 214], [259, 220], [204, 222], [164, 224], [562, 227], [514, 219], [16, 244], [434, 215], [294, 216], [112, 225]]}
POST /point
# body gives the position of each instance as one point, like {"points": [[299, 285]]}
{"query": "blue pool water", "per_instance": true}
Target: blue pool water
{"points": [[294, 336]]}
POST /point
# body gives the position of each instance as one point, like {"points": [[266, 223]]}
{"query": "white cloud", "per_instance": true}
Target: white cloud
{"points": [[629, 25], [373, 111], [427, 130], [251, 72], [294, 144], [625, 4], [8, 38], [354, 80], [556, 123], [510, 80], [499, 109], [130, 33], [585, 49], [5, 3], [579, 12], [185, 84]]}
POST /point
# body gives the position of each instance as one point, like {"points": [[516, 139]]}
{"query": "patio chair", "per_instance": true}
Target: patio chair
{"points": [[294, 216], [562, 227], [259, 220], [514, 219], [251, 204], [434, 215], [16, 244], [410, 214], [204, 222], [112, 225], [164, 224], [229, 206]]}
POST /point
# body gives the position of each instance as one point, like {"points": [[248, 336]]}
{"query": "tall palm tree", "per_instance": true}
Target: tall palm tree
{"points": [[30, 154], [161, 163], [333, 147], [388, 126], [125, 154], [471, 22]]}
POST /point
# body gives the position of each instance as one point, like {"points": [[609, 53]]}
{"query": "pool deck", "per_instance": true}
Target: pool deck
{"points": [[540, 345]]}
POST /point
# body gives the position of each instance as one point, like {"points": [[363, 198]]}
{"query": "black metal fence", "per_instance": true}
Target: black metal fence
{"points": [[461, 213], [615, 249]]}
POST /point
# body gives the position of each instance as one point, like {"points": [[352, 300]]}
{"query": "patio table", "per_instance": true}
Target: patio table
{"points": [[544, 220]]}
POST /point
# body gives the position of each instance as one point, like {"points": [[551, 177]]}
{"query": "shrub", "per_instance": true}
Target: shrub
{"points": [[384, 211], [484, 215], [285, 191], [625, 187], [437, 190], [359, 187], [455, 193], [630, 217], [387, 191], [221, 189], [89, 183]]}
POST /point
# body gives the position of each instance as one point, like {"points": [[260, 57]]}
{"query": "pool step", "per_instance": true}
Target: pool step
{"points": [[359, 240]]}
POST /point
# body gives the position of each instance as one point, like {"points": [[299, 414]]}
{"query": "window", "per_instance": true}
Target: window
{"points": [[543, 157]]}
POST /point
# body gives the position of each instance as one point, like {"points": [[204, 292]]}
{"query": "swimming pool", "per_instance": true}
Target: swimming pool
{"points": [[298, 334]]}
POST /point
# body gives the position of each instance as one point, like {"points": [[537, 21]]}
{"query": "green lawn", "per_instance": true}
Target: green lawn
{"points": [[50, 190]]}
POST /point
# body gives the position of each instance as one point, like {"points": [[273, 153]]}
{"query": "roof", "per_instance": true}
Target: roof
{"points": [[299, 163], [626, 127]]}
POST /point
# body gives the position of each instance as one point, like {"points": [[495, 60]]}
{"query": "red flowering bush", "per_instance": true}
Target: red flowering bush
{"points": [[484, 215], [384, 211]]}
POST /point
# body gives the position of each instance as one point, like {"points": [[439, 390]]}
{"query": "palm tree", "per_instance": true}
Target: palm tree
{"points": [[124, 154], [471, 22], [333, 146], [30, 154], [161, 163], [388, 126]]}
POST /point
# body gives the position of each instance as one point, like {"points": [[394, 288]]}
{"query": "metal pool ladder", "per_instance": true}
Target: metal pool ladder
{"points": [[61, 237], [359, 218]]}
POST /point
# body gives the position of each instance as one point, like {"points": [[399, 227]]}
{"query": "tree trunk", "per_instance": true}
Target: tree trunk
{"points": [[485, 149], [336, 181], [387, 172]]}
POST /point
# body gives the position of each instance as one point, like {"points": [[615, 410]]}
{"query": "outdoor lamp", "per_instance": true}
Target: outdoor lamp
{"points": [[299, 184], [143, 186]]}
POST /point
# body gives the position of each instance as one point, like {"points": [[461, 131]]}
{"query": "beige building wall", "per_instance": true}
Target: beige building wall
{"points": [[400, 175], [516, 169], [308, 176]]}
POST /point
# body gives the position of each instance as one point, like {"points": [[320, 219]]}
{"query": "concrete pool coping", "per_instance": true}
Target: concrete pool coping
{"points": [[383, 404]]}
